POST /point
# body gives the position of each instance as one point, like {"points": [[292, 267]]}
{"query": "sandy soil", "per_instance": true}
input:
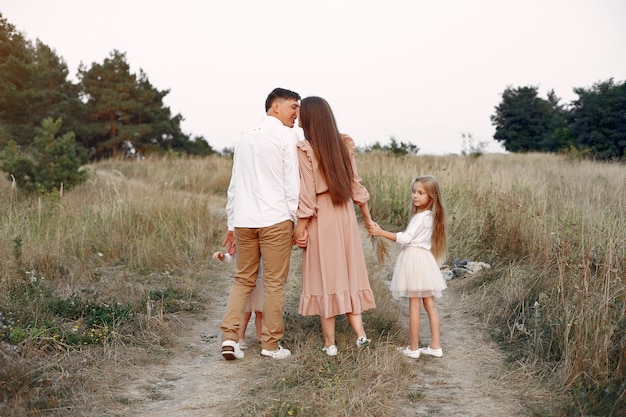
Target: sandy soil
{"points": [[472, 378]]}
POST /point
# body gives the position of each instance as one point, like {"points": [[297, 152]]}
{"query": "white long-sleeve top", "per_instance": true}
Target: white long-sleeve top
{"points": [[418, 232], [264, 183]]}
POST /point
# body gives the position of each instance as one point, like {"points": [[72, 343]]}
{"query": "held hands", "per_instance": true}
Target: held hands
{"points": [[219, 255], [224, 257], [374, 229], [301, 238], [301, 235], [229, 240]]}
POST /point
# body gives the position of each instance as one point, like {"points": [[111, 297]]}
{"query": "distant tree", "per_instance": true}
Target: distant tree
{"points": [[375, 147], [55, 96], [125, 107], [15, 57], [402, 148], [33, 86], [4, 135], [50, 163], [197, 146], [109, 107], [557, 136], [395, 147], [228, 151], [525, 122], [598, 119]]}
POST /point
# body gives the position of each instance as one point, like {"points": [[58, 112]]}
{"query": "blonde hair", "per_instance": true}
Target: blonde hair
{"points": [[438, 239]]}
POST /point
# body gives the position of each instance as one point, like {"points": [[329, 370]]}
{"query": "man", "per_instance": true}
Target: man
{"points": [[261, 208]]}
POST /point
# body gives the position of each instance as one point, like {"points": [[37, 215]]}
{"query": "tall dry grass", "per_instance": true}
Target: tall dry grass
{"points": [[81, 272], [140, 232], [157, 214], [555, 232]]}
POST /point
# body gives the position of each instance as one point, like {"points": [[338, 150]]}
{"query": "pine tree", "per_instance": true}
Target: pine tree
{"points": [[125, 107], [52, 163]]}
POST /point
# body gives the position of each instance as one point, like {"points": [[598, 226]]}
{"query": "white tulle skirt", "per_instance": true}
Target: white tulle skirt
{"points": [[417, 274]]}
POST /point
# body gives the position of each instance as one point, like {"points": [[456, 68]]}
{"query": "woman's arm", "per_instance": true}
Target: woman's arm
{"points": [[367, 217]]}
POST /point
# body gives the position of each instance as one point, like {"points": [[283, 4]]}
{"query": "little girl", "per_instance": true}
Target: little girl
{"points": [[417, 274], [255, 303]]}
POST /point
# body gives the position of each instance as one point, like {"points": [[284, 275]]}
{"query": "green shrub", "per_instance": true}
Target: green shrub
{"points": [[52, 163]]}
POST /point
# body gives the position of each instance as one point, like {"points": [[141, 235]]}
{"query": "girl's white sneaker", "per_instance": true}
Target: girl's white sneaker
{"points": [[437, 353], [413, 354], [362, 341], [331, 350]]}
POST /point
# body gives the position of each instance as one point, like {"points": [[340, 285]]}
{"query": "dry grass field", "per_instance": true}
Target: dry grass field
{"points": [[110, 305]]}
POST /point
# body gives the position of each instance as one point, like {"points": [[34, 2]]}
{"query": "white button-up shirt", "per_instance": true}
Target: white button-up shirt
{"points": [[265, 181]]}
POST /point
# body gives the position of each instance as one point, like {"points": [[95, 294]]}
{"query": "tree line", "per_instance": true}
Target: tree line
{"points": [[106, 107], [593, 125], [45, 116]]}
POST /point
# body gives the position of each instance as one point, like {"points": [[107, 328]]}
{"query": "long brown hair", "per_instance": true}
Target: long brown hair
{"points": [[320, 129], [438, 239]]}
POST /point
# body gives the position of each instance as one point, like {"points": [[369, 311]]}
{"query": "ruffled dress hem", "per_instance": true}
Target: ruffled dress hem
{"points": [[336, 304]]}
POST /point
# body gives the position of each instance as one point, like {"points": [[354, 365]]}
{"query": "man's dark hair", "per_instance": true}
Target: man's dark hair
{"points": [[282, 94]]}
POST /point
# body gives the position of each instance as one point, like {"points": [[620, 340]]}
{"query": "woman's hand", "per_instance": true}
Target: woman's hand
{"points": [[370, 224], [301, 234], [374, 229], [301, 238]]}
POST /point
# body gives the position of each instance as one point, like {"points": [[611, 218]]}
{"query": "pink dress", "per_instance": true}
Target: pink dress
{"points": [[334, 275]]}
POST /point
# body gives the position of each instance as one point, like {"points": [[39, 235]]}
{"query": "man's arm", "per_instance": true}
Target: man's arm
{"points": [[292, 176]]}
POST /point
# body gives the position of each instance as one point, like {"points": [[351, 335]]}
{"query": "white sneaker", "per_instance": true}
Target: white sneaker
{"points": [[414, 354], [331, 350], [231, 350], [362, 341], [280, 353], [437, 353]]}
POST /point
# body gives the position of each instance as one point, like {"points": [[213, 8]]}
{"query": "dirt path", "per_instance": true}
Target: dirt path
{"points": [[194, 382], [470, 380]]}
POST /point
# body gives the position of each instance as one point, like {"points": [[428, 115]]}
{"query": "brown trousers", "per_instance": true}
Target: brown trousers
{"points": [[273, 245]]}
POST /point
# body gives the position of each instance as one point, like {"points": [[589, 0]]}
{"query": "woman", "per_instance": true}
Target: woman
{"points": [[334, 275]]}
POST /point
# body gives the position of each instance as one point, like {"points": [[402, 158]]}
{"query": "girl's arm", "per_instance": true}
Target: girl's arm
{"points": [[225, 257], [375, 230]]}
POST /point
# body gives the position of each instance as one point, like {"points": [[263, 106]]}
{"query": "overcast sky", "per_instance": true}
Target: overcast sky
{"points": [[422, 72]]}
